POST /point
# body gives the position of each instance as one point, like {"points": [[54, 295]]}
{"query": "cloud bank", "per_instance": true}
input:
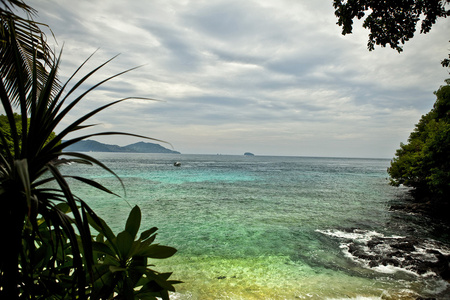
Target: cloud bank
{"points": [[269, 77]]}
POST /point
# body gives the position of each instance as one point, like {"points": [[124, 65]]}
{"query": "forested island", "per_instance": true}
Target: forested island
{"points": [[140, 147]]}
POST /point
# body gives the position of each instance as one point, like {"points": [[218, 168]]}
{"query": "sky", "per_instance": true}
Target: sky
{"points": [[267, 77]]}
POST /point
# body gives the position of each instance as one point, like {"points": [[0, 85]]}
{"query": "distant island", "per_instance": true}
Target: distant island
{"points": [[140, 147], [249, 154]]}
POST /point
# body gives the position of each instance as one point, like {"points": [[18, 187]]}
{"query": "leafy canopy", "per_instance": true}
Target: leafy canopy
{"points": [[390, 22], [423, 163]]}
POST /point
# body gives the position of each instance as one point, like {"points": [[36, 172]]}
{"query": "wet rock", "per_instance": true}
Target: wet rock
{"points": [[362, 255], [358, 251], [375, 242], [373, 263], [442, 266], [421, 267], [385, 261], [395, 207], [403, 252], [352, 248], [397, 254], [404, 246]]}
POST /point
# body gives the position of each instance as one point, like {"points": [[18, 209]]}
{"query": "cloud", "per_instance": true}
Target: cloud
{"points": [[270, 77]]}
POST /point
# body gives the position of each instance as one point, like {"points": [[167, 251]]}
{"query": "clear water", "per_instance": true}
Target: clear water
{"points": [[263, 227]]}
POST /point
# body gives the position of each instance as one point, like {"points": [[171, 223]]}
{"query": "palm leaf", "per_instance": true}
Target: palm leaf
{"points": [[26, 35]]}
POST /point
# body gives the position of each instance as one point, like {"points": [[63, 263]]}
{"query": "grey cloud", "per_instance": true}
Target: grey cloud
{"points": [[226, 20], [223, 66]]}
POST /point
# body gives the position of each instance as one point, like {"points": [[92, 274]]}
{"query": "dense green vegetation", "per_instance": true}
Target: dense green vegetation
{"points": [[423, 163], [49, 250], [5, 130]]}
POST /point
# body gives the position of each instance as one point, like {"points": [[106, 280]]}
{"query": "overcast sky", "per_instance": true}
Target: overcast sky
{"points": [[268, 77]]}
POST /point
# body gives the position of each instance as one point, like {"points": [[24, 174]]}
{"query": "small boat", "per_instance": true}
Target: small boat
{"points": [[177, 164]]}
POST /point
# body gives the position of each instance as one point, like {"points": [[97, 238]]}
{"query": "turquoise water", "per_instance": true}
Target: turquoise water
{"points": [[264, 227]]}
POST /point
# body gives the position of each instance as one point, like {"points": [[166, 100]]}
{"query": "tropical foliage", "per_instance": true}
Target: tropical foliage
{"points": [[424, 162], [122, 262], [48, 250]]}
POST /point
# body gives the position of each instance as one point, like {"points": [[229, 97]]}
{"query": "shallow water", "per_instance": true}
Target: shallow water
{"points": [[265, 227]]}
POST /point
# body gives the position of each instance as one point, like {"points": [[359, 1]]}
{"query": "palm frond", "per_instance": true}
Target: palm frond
{"points": [[25, 35]]}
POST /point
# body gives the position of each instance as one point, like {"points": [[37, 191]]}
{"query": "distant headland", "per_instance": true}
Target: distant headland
{"points": [[249, 154], [140, 147]]}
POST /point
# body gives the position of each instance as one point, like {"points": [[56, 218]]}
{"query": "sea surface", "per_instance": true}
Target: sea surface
{"points": [[260, 227]]}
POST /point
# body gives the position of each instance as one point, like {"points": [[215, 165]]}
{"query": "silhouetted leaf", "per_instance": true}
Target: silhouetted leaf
{"points": [[124, 243], [147, 233], [157, 251], [103, 248], [133, 222]]}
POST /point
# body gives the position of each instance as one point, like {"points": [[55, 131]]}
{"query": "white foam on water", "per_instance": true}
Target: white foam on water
{"points": [[437, 287], [362, 237], [389, 269], [358, 235], [433, 245]]}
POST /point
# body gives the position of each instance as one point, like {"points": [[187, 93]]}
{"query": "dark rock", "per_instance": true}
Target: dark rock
{"points": [[374, 242], [362, 255], [442, 266], [408, 258], [397, 254], [404, 246], [422, 267], [358, 252], [395, 207], [222, 277], [374, 263], [352, 248], [385, 261]]}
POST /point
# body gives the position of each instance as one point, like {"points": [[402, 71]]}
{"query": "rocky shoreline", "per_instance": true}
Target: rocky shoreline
{"points": [[427, 259], [421, 257], [432, 261]]}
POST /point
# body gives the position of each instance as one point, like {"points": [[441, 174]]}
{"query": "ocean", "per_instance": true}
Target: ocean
{"points": [[268, 227]]}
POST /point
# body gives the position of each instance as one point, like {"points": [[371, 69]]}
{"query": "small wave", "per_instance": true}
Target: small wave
{"points": [[355, 234]]}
